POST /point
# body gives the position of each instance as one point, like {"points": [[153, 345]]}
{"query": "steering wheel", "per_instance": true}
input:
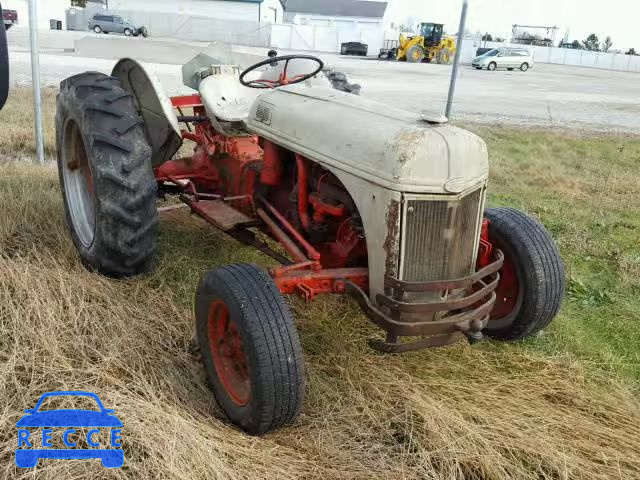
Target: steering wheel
{"points": [[284, 79]]}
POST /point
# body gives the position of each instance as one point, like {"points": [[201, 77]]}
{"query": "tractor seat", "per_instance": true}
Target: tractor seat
{"points": [[224, 96]]}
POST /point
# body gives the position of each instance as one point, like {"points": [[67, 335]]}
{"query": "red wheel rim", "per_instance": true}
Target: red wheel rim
{"points": [[227, 351], [508, 290]]}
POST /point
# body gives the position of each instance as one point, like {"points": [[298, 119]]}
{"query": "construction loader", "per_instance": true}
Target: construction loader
{"points": [[429, 45]]}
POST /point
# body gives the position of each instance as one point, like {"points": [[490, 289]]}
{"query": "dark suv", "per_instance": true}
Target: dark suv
{"points": [[102, 23]]}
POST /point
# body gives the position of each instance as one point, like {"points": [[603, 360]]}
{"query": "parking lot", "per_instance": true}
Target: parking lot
{"points": [[547, 95]]}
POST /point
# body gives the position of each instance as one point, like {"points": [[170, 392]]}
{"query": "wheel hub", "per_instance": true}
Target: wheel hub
{"points": [[508, 290], [78, 184], [229, 358]]}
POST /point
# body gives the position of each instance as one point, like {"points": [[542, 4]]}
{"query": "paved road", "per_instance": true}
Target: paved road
{"points": [[548, 95]]}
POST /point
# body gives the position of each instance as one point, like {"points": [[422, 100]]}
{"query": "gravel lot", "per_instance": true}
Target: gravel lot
{"points": [[547, 95]]}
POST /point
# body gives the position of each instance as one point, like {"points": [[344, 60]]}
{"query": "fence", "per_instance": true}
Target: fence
{"points": [[326, 39], [186, 27], [329, 38], [562, 56]]}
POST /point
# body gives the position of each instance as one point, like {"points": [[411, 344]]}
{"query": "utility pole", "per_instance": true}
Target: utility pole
{"points": [[35, 79], [456, 60]]}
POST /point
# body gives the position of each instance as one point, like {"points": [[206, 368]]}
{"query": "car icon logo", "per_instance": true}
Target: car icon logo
{"points": [[51, 423]]}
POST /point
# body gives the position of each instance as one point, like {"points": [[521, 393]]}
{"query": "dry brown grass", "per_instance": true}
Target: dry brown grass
{"points": [[16, 119], [487, 412]]}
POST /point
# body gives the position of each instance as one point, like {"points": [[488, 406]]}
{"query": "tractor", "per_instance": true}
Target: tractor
{"points": [[346, 195], [429, 45]]}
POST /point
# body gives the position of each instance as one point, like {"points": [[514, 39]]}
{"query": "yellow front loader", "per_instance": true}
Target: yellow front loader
{"points": [[430, 45]]}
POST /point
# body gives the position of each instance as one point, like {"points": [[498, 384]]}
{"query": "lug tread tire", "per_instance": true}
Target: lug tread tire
{"points": [[541, 271], [120, 160], [410, 52], [271, 344]]}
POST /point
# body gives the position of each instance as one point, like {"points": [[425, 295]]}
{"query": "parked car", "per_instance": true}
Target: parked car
{"points": [[10, 18], [354, 48], [102, 23], [509, 58]]}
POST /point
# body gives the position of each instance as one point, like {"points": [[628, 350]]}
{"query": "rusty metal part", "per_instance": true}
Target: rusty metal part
{"points": [[465, 282], [221, 215], [391, 246], [303, 197], [312, 253], [464, 315], [247, 237], [288, 244], [309, 283]]}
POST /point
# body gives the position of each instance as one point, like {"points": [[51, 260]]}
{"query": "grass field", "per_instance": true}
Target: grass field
{"points": [[564, 405]]}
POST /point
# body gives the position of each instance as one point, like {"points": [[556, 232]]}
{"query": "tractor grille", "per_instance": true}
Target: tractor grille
{"points": [[441, 237]]}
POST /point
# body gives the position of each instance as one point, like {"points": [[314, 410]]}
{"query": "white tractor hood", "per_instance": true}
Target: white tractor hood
{"points": [[392, 148]]}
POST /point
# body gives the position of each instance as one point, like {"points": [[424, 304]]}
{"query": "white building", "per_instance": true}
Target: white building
{"points": [[351, 20], [264, 11], [335, 13]]}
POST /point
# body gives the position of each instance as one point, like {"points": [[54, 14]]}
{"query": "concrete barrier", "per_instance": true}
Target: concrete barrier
{"points": [[113, 47], [166, 51]]}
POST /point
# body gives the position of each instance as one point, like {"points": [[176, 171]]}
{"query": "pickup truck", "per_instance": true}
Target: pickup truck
{"points": [[10, 18]]}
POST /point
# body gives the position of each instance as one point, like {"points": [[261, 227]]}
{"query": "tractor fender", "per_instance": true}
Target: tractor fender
{"points": [[160, 120]]}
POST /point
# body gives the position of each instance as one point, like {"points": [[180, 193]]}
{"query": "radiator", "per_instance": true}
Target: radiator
{"points": [[440, 236]]}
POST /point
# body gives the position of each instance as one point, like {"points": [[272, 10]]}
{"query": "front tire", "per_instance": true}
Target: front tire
{"points": [[250, 348], [492, 66], [127, 32], [97, 29], [415, 54], [532, 283], [106, 178], [524, 67]]}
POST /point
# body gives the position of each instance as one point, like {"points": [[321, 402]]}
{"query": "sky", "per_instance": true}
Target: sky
{"points": [[618, 18]]}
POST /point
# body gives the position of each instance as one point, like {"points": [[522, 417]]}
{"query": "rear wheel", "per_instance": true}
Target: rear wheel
{"points": [[250, 348], [532, 283], [106, 178], [444, 56], [524, 67], [492, 66], [415, 54]]}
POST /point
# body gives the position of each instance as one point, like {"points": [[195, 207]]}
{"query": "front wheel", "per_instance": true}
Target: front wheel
{"points": [[415, 54], [127, 32], [492, 66], [524, 67], [250, 348], [97, 29], [532, 281]]}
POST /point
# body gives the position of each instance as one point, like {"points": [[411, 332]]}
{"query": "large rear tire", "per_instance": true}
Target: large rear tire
{"points": [[106, 177], [532, 283], [444, 56], [250, 348]]}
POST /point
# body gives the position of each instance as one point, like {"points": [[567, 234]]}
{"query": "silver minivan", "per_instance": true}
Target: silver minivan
{"points": [[509, 58], [104, 23]]}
